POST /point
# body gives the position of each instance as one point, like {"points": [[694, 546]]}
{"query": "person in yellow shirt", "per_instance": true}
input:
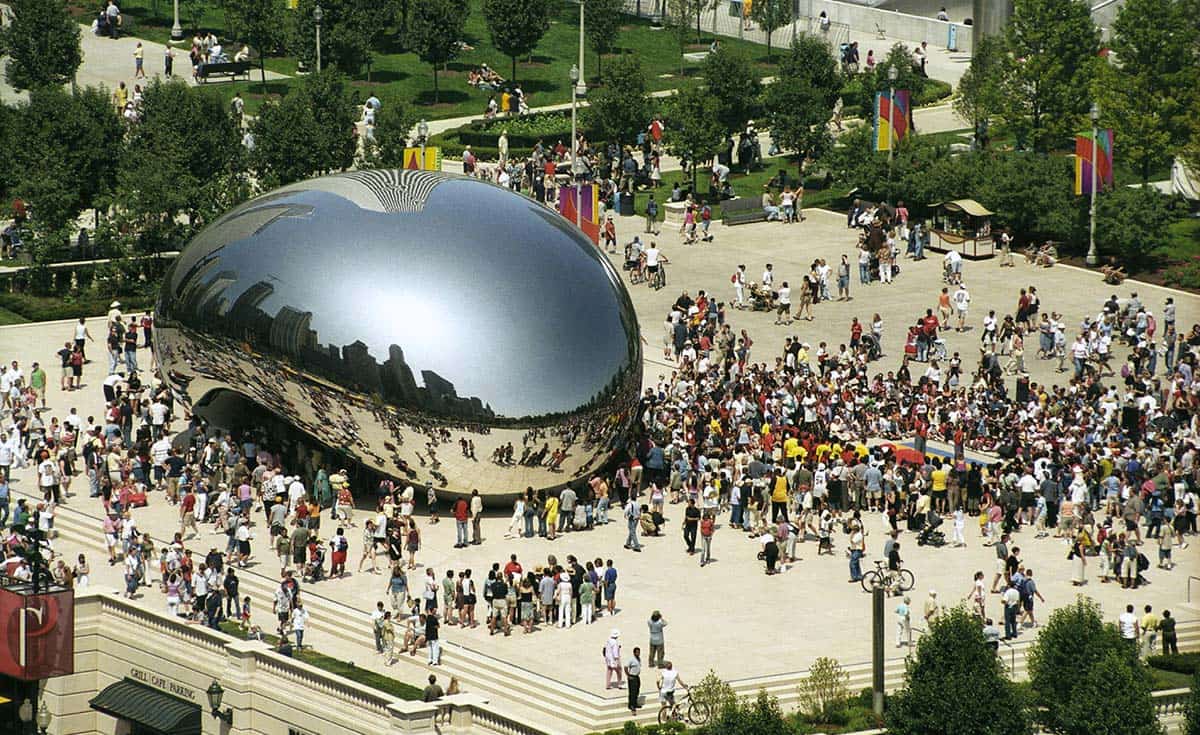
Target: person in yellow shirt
{"points": [[937, 485], [779, 498], [791, 447]]}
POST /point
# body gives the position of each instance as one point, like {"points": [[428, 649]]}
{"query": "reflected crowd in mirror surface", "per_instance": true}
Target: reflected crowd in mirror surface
{"points": [[436, 328]]}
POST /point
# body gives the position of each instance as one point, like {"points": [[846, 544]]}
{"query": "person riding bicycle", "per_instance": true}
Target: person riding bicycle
{"points": [[668, 679]]}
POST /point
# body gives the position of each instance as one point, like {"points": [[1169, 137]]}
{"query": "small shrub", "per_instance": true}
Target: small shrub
{"points": [[1181, 663], [824, 691], [714, 693]]}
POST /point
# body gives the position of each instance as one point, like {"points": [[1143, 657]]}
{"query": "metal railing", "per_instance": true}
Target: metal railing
{"points": [[1189, 587]]}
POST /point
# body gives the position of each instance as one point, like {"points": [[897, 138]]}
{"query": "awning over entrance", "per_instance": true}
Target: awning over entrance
{"points": [[149, 707]]}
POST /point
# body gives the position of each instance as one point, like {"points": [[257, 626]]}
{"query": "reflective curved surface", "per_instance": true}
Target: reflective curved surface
{"points": [[396, 314]]}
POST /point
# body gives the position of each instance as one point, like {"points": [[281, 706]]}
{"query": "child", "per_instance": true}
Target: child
{"points": [[244, 615], [960, 522], [1165, 541], [1040, 515]]}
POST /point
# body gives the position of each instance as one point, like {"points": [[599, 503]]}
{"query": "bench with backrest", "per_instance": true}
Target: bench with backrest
{"points": [[232, 69], [742, 210]]}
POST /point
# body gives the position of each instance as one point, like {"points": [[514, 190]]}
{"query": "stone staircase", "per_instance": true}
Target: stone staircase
{"points": [[528, 702]]}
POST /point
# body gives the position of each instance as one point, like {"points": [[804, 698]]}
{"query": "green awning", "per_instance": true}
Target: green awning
{"points": [[149, 707]]}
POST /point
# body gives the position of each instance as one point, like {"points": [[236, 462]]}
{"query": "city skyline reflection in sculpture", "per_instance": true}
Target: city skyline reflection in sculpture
{"points": [[394, 314]]}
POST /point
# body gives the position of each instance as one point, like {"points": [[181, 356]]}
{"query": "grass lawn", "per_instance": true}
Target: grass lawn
{"points": [[400, 75], [1169, 679], [11, 317], [345, 669]]}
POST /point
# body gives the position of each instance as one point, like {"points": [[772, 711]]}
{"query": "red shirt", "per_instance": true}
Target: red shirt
{"points": [[460, 510], [188, 503]]}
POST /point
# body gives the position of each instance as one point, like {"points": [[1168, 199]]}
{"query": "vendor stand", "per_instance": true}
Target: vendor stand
{"points": [[963, 225]]}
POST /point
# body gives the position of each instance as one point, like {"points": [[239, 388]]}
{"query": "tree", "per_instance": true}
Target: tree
{"points": [[172, 165], [866, 84], [63, 150], [516, 26], [823, 692], [259, 23], [42, 43], [437, 28], [603, 26], [979, 90], [1131, 223], [393, 123], [677, 18], [759, 716], [1191, 711], [694, 132], [943, 680], [713, 693], [620, 107], [800, 101], [730, 78], [308, 132], [1111, 695], [1128, 105], [1048, 71], [771, 15], [1073, 642], [1155, 42], [348, 28]]}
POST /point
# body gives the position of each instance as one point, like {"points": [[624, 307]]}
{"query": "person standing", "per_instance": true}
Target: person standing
{"points": [[1127, 623], [1150, 625], [658, 645], [631, 518], [430, 621], [1170, 643], [691, 524], [904, 623], [461, 512], [1012, 605], [633, 671], [378, 623], [612, 659], [299, 623], [139, 56], [858, 547], [708, 526], [651, 215], [476, 517]]}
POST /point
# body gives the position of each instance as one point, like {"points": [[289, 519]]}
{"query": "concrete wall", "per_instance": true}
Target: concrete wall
{"points": [[269, 693], [911, 29]]}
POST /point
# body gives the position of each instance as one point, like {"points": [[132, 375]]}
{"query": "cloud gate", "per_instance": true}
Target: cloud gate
{"points": [[402, 316]]}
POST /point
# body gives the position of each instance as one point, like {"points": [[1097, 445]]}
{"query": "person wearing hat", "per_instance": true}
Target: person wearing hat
{"points": [[612, 659]]}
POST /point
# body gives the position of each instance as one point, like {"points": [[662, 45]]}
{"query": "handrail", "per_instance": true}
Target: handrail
{"points": [[1189, 587], [1013, 651]]}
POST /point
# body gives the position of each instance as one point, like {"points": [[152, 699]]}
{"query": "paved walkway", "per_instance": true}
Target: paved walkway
{"points": [[821, 613]]}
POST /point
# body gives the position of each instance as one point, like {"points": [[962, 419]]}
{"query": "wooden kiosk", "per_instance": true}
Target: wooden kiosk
{"points": [[963, 225]]}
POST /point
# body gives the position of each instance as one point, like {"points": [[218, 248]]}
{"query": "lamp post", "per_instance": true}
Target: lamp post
{"points": [[574, 143], [43, 718], [215, 693], [1092, 259], [422, 135], [176, 29], [318, 14], [892, 73]]}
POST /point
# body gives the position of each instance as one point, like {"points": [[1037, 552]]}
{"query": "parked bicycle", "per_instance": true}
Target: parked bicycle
{"points": [[899, 580]]}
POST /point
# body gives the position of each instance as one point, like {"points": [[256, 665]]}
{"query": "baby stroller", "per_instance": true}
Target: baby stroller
{"points": [[314, 570], [929, 535]]}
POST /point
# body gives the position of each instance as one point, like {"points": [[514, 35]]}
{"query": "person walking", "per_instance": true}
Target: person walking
{"points": [[904, 623], [434, 643], [139, 56], [632, 515], [612, 659], [299, 623], [633, 672], [658, 645], [651, 215]]}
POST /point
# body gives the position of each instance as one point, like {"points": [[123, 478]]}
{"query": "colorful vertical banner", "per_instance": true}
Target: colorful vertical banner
{"points": [[1084, 163], [432, 162], [589, 215], [891, 124]]}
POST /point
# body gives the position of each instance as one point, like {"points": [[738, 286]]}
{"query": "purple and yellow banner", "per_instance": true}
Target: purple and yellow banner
{"points": [[891, 124], [1103, 148]]}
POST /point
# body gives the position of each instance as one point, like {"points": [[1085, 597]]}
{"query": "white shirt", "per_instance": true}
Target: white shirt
{"points": [[669, 677], [768, 278], [652, 254], [962, 299], [785, 295], [1127, 621]]}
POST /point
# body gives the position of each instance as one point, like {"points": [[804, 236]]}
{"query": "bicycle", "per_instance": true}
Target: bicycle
{"points": [[685, 709], [660, 276], [900, 580]]}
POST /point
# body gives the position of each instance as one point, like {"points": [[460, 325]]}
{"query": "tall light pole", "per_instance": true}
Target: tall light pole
{"points": [[1092, 258], [318, 14], [574, 142], [176, 29], [892, 73], [423, 135]]}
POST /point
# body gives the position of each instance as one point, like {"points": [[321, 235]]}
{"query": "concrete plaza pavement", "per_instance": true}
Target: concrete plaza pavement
{"points": [[719, 613]]}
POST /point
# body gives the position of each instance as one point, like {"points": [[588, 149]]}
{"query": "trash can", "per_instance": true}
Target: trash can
{"points": [[626, 206]]}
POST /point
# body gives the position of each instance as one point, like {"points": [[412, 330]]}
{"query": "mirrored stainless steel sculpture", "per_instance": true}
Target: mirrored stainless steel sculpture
{"points": [[395, 314]]}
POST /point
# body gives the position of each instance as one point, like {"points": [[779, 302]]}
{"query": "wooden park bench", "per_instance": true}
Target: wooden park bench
{"points": [[232, 69], [742, 210]]}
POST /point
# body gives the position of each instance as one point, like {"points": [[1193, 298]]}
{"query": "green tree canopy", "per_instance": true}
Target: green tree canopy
{"points": [[393, 123], [620, 107], [1110, 695], [259, 23], [1074, 642], [308, 132], [603, 27], [437, 28], [693, 130], [771, 15], [800, 101], [943, 682], [181, 155], [1049, 69], [1191, 712], [63, 149], [1131, 223], [42, 43], [864, 85], [348, 28], [730, 78], [516, 26], [979, 90], [759, 716]]}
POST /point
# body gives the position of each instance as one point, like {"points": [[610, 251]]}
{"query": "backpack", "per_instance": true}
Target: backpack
{"points": [[733, 278]]}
